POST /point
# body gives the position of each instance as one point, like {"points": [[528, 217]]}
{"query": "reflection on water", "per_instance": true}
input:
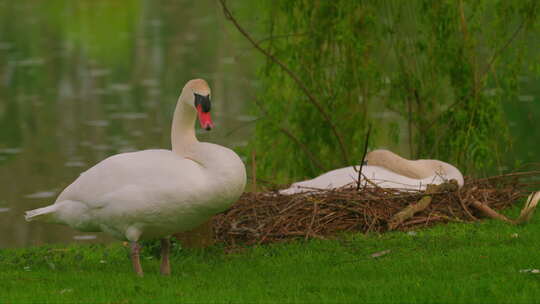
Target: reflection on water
{"points": [[41, 194], [81, 80], [85, 237]]}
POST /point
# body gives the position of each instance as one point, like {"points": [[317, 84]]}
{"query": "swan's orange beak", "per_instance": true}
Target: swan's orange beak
{"points": [[205, 119]]}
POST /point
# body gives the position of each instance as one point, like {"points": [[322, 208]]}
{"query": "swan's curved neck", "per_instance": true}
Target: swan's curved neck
{"points": [[409, 168], [183, 127]]}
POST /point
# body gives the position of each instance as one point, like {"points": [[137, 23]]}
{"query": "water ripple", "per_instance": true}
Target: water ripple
{"points": [[85, 237], [41, 194]]}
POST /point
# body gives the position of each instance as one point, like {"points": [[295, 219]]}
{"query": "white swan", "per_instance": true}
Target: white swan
{"points": [[387, 170], [155, 193]]}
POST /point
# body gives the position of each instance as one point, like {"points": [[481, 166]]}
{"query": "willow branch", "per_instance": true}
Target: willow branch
{"points": [[311, 98], [303, 147], [500, 50], [513, 174], [289, 134], [479, 84], [280, 37]]}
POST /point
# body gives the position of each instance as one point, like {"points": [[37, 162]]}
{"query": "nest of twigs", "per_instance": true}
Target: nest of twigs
{"points": [[266, 217]]}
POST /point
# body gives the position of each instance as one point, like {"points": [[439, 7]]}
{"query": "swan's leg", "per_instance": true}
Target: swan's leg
{"points": [[165, 253], [136, 258]]}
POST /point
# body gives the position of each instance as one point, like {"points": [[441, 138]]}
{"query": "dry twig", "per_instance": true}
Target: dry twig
{"points": [[363, 158]]}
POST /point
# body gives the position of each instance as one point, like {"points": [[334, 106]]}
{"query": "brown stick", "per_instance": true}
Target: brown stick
{"points": [[524, 216], [300, 84], [486, 210], [165, 267], [421, 205], [363, 158], [408, 212], [310, 228], [253, 172], [136, 258], [466, 209]]}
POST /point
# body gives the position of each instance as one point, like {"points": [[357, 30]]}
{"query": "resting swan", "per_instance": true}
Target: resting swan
{"points": [[387, 170], [155, 193]]}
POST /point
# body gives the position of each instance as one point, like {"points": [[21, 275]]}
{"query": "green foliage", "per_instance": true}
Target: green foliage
{"points": [[457, 263], [429, 75]]}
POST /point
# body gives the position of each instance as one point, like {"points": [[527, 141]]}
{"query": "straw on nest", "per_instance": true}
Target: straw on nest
{"points": [[270, 217]]}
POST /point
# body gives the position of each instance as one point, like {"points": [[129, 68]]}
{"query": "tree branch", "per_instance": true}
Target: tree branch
{"points": [[311, 98]]}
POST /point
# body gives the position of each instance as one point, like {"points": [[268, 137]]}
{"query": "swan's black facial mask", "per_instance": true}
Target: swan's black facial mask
{"points": [[202, 104], [203, 101]]}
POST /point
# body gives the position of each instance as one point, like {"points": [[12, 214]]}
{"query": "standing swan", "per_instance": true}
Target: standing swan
{"points": [[387, 170], [155, 193]]}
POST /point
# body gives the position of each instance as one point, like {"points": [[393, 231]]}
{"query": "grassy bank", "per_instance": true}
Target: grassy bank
{"points": [[466, 263]]}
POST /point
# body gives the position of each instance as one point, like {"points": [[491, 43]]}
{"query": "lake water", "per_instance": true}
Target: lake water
{"points": [[82, 80]]}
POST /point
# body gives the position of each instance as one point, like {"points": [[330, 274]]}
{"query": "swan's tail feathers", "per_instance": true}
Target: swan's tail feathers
{"points": [[530, 206], [40, 214]]}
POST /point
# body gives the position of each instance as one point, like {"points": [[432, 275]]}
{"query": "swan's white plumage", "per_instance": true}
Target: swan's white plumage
{"points": [[391, 171], [153, 193]]}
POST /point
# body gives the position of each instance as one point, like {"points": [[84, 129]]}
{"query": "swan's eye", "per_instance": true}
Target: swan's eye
{"points": [[203, 101]]}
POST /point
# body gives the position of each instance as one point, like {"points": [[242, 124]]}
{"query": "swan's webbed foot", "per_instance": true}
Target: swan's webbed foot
{"points": [[136, 258], [165, 254]]}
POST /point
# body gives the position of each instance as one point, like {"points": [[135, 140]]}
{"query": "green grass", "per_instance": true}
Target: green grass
{"points": [[457, 263]]}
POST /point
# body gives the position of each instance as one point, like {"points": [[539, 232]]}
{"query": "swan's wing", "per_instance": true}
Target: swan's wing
{"points": [[156, 174]]}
